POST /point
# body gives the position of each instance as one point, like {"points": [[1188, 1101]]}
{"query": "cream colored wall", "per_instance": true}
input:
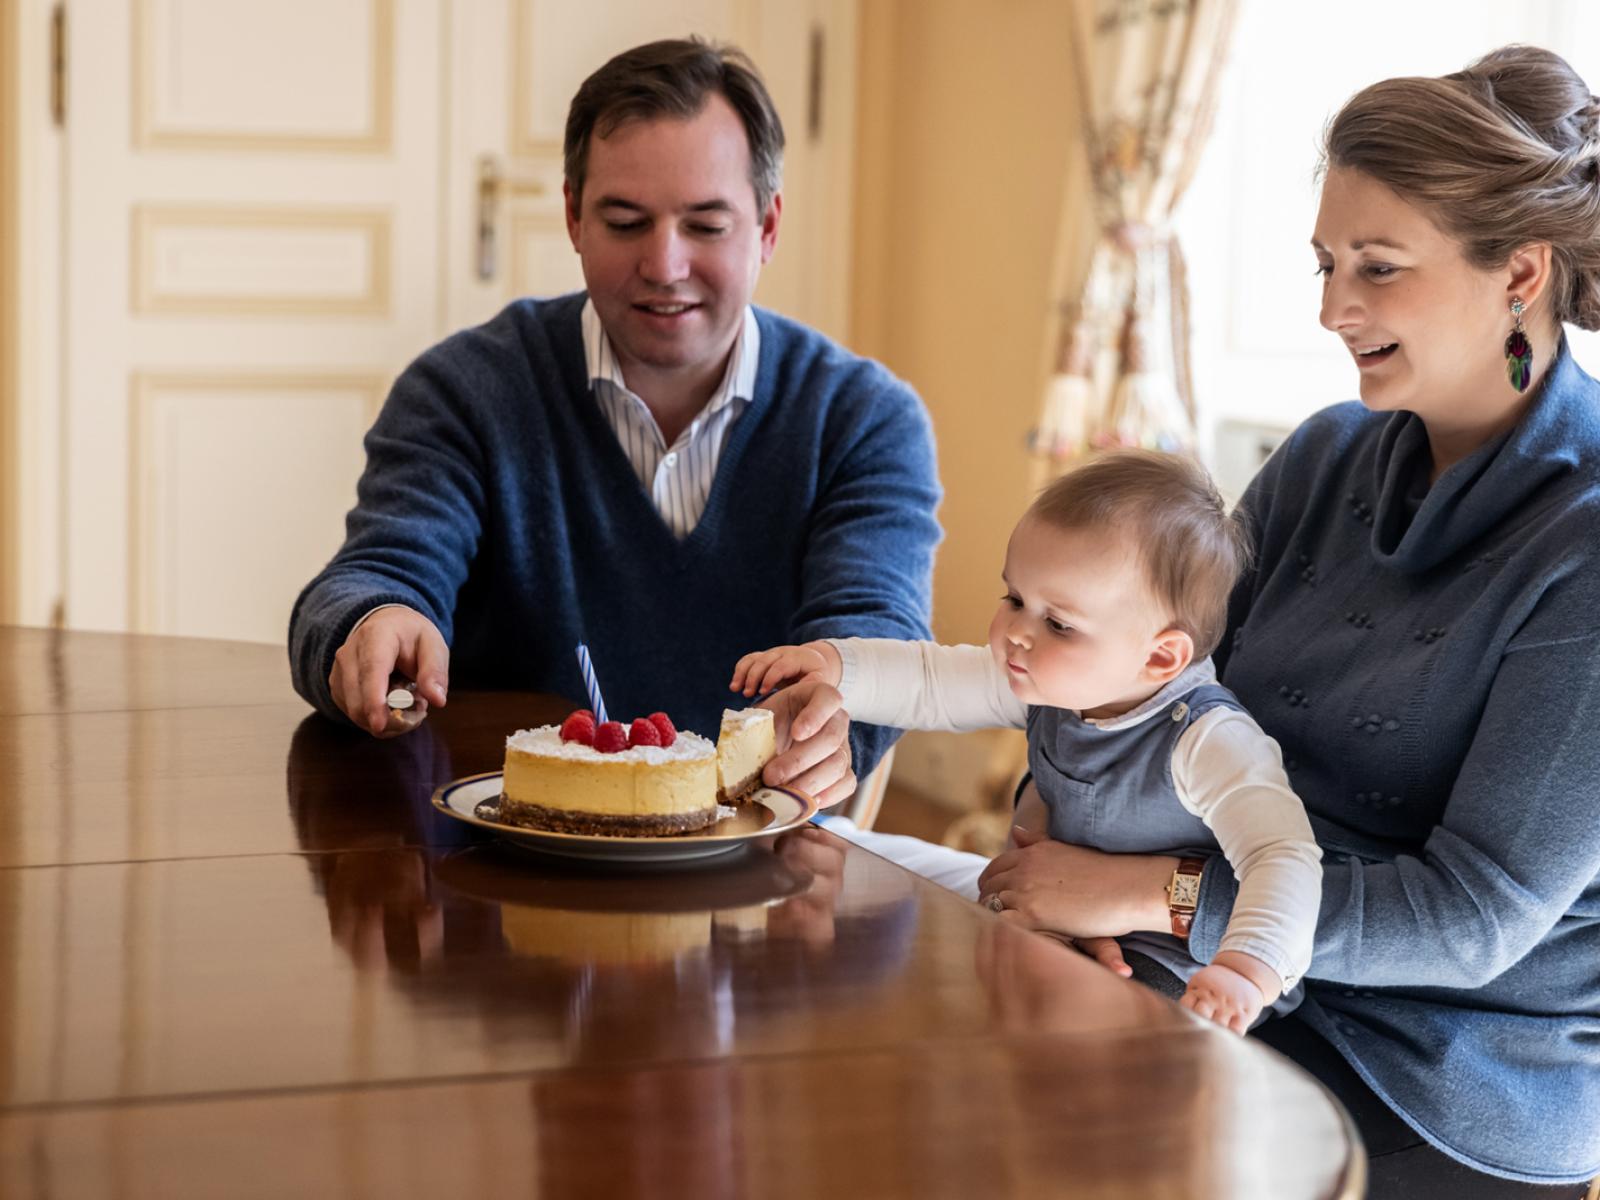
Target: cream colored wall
{"points": [[8, 310], [966, 145]]}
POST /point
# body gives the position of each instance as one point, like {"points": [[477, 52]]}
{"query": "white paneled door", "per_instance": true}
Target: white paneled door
{"points": [[252, 246], [269, 209]]}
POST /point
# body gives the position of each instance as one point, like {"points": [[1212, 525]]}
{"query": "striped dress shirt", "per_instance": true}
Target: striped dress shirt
{"points": [[678, 477]]}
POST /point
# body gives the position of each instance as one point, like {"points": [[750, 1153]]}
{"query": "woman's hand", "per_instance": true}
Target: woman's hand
{"points": [[1106, 951], [1072, 890]]}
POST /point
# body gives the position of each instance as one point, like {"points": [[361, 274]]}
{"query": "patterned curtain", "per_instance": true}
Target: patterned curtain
{"points": [[1148, 75]]}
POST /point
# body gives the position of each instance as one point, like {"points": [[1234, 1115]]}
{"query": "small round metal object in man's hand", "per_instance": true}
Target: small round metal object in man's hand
{"points": [[406, 708]]}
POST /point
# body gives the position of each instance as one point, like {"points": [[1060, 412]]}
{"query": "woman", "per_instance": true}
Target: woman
{"points": [[1421, 634]]}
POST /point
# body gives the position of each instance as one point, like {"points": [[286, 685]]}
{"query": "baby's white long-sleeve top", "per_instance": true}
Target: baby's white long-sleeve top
{"points": [[1225, 770]]}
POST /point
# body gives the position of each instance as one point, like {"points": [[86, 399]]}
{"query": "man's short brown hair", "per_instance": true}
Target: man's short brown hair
{"points": [[1192, 550], [675, 78]]}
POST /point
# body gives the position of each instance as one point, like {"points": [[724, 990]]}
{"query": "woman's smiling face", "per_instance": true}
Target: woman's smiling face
{"points": [[1425, 327]]}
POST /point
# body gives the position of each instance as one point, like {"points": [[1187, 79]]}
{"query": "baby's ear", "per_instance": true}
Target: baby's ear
{"points": [[1170, 655]]}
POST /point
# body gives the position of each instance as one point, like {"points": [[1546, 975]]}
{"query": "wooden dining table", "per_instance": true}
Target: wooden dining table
{"points": [[242, 955]]}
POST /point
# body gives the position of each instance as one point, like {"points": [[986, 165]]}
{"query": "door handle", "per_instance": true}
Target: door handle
{"points": [[493, 183]]}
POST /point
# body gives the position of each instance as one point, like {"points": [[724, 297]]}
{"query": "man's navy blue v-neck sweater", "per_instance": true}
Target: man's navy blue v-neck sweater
{"points": [[498, 503]]}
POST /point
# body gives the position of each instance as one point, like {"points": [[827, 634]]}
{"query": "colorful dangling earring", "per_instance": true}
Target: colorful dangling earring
{"points": [[1519, 355]]}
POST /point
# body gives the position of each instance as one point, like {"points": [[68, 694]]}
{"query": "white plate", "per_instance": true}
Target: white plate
{"points": [[769, 810]]}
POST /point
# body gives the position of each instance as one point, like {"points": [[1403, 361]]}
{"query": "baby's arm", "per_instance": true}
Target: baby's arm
{"points": [[1230, 774], [904, 685]]}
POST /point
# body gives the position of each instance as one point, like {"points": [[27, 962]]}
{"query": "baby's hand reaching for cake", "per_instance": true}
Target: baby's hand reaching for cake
{"points": [[767, 670]]}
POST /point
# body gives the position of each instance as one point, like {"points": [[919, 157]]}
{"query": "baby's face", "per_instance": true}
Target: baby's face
{"points": [[1076, 626]]}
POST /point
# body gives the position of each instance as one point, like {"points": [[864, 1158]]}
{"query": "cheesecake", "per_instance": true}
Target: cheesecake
{"points": [[643, 780], [641, 791], [746, 744]]}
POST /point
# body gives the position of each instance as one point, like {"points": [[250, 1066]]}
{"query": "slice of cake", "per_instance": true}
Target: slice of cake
{"points": [[578, 779], [745, 745]]}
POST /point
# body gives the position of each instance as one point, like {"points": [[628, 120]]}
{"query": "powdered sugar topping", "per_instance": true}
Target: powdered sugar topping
{"points": [[546, 741], [746, 716]]}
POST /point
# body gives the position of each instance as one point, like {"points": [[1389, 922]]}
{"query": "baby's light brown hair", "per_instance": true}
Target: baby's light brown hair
{"points": [[1191, 548]]}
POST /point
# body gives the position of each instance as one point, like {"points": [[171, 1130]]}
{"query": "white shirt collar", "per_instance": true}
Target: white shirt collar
{"points": [[738, 381], [1195, 675]]}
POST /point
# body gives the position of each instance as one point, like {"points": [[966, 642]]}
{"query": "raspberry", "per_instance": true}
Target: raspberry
{"points": [[610, 738], [579, 727], [585, 712], [664, 727], [643, 733]]}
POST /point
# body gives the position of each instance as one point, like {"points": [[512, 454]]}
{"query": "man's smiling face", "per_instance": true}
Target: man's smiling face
{"points": [[671, 241]]}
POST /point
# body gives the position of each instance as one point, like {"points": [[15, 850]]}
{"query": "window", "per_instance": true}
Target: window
{"points": [[1262, 363]]}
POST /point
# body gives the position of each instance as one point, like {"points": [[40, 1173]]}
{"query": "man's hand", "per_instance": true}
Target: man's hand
{"points": [[1223, 995], [813, 743], [378, 902], [390, 641], [767, 670], [809, 915]]}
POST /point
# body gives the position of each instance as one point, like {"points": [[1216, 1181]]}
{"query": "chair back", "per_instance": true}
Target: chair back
{"points": [[862, 808]]}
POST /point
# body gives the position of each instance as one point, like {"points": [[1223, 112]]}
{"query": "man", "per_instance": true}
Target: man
{"points": [[653, 467]]}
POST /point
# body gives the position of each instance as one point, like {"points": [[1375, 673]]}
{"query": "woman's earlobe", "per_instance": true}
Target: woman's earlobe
{"points": [[1528, 273]]}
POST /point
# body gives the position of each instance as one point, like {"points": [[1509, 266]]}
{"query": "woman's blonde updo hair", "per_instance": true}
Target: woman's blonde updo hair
{"points": [[1504, 153]]}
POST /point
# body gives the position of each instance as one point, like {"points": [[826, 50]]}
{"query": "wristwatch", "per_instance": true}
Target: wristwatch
{"points": [[1183, 894]]}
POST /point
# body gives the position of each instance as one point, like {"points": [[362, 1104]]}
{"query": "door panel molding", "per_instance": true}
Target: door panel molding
{"points": [[576, 41], [156, 475], [156, 129], [265, 240], [539, 238]]}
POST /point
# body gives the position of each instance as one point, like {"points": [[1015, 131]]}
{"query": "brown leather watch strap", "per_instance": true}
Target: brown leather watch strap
{"points": [[1183, 915]]}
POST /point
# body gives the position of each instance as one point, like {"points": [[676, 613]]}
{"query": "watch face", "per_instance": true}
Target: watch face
{"points": [[1185, 891]]}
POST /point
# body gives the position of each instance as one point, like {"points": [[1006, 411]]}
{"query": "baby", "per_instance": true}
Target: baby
{"points": [[1116, 589]]}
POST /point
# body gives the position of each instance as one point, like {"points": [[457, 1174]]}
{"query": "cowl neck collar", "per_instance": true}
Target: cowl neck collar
{"points": [[1415, 527]]}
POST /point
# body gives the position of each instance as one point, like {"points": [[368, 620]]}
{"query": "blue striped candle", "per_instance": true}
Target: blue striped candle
{"points": [[593, 684]]}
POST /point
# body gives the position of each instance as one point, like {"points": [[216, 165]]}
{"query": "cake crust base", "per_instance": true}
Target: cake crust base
{"points": [[560, 820], [741, 791]]}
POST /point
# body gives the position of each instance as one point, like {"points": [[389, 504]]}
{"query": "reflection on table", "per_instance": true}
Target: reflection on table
{"points": [[245, 954]]}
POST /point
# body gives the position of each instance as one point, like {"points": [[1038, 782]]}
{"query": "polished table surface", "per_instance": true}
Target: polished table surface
{"points": [[242, 955]]}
